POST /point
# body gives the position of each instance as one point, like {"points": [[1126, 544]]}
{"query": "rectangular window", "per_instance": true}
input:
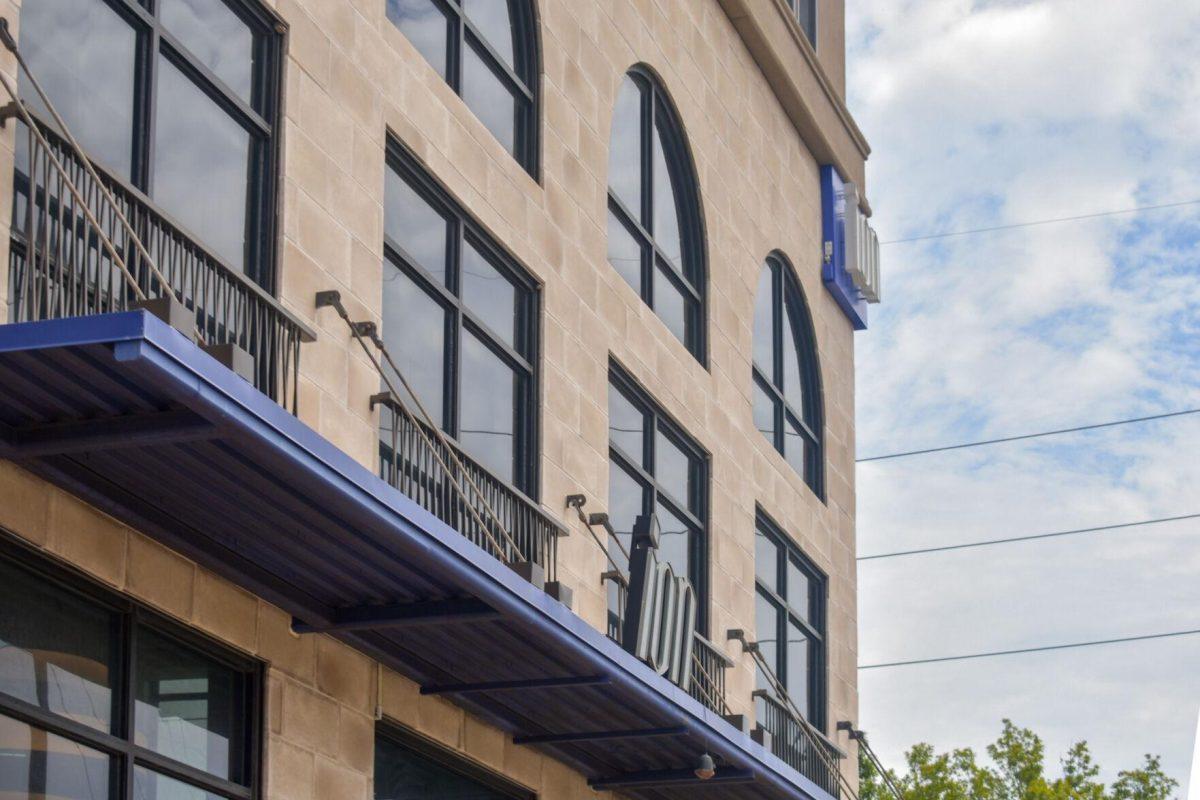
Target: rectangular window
{"points": [[790, 620], [459, 318], [408, 767], [177, 99], [100, 698], [655, 468], [806, 15]]}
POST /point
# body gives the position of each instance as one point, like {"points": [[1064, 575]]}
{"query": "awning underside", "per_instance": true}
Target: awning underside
{"points": [[126, 413]]}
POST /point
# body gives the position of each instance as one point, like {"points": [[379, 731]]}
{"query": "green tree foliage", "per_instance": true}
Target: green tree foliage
{"points": [[1016, 771]]}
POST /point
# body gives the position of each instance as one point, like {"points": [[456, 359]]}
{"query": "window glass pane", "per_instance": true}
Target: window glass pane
{"points": [[490, 295], [764, 321], [799, 590], [624, 252], [672, 469], [425, 26], [793, 378], [670, 304], [766, 622], [797, 668], [38, 765], [675, 542], [491, 18], [403, 774], [149, 785], [57, 651], [764, 413], [216, 36], [415, 226], [795, 448], [83, 55], [626, 498], [489, 98], [201, 165], [626, 425], [806, 13], [487, 426], [766, 560], [625, 149], [189, 707], [666, 214], [414, 329]]}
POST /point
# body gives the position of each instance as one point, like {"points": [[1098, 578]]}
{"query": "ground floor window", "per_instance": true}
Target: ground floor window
{"points": [[408, 767], [102, 699]]}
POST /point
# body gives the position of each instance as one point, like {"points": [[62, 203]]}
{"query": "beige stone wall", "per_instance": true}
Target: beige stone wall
{"points": [[351, 77]]}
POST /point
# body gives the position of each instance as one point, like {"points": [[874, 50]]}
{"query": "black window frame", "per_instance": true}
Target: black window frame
{"points": [[522, 79], [691, 276], [260, 117], [810, 420], [450, 760], [528, 296], [810, 30], [123, 752], [694, 510], [788, 551]]}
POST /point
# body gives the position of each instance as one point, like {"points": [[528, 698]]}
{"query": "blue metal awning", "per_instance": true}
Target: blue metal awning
{"points": [[128, 414]]}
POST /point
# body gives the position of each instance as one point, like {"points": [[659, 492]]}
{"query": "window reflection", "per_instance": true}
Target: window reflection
{"points": [[624, 252], [83, 55], [38, 764], [216, 36], [58, 652], [764, 324], [645, 238], [624, 148], [189, 707], [675, 543], [671, 304], [149, 785], [487, 410], [626, 425], [489, 98], [672, 468], [766, 618], [766, 560], [491, 18], [764, 412], [415, 226], [201, 165], [793, 379], [425, 26], [666, 214], [490, 295], [414, 329]]}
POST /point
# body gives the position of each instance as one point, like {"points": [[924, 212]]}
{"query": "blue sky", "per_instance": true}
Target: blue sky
{"points": [[993, 113]]}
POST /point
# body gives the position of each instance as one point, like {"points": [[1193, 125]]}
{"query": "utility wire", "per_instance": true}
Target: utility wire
{"points": [[1029, 435], [1028, 538], [1043, 649], [1031, 224]]}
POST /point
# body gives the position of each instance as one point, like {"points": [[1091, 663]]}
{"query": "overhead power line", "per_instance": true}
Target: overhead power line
{"points": [[1022, 651], [1022, 436], [1033, 223], [1027, 538]]}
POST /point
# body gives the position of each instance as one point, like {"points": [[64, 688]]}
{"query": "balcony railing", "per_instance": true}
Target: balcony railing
{"points": [[707, 683], [415, 460], [796, 749], [59, 266]]}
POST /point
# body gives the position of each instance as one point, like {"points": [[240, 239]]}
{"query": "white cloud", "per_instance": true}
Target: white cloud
{"points": [[994, 113]]}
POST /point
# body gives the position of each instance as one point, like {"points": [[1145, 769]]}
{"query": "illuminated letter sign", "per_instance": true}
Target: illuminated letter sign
{"points": [[660, 617]]}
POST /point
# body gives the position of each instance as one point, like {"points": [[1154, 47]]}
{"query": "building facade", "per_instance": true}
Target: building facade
{"points": [[592, 239]]}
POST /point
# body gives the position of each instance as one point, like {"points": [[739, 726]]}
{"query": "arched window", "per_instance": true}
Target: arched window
{"points": [[487, 51], [654, 231], [787, 380]]}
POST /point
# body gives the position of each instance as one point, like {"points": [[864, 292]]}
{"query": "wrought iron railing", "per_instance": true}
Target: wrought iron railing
{"points": [[59, 266], [796, 749], [415, 460]]}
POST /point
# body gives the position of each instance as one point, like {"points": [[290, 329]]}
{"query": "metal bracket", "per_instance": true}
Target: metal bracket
{"points": [[848, 726], [331, 298], [739, 635], [6, 37]]}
